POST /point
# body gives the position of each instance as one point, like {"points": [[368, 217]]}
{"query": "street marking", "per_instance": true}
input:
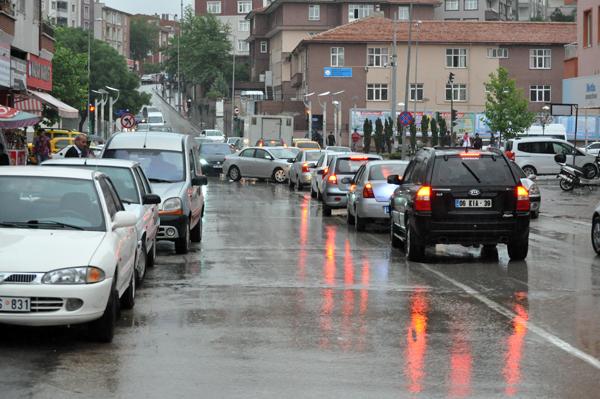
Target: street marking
{"points": [[551, 338]]}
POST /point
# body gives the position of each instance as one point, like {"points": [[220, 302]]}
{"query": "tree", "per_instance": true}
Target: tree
{"points": [[443, 130], [389, 133], [218, 89], [424, 127], [434, 132], [558, 16], [143, 37], [378, 135], [413, 135], [367, 129], [70, 83], [506, 106]]}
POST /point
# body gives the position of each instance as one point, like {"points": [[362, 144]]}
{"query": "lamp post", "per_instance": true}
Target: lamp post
{"points": [[417, 26], [337, 117], [308, 106], [394, 75], [179, 93], [545, 118], [102, 124], [233, 49], [111, 103], [406, 88], [324, 107]]}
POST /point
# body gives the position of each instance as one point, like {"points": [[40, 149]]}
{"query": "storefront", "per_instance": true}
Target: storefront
{"points": [[14, 143]]}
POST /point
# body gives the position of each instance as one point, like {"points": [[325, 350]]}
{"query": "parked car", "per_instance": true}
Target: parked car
{"points": [[535, 155], [369, 195], [270, 143], [147, 79], [307, 145], [213, 135], [68, 249], [336, 148], [155, 119], [450, 196], [592, 149], [170, 161], [301, 170], [137, 197], [337, 176], [212, 156], [596, 229], [260, 162], [316, 179], [535, 195]]}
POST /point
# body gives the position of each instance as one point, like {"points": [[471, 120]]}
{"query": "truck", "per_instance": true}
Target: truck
{"points": [[268, 127]]}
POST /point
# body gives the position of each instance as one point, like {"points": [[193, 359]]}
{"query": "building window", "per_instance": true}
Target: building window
{"points": [[86, 12], [337, 56], [213, 7], [451, 5], [53, 6], [587, 28], [377, 57], [540, 58], [243, 46], [244, 7], [377, 92], [263, 46], [403, 13], [416, 92], [314, 12], [471, 5], [244, 26], [540, 93], [456, 92], [495, 52], [358, 11], [456, 58], [72, 7]]}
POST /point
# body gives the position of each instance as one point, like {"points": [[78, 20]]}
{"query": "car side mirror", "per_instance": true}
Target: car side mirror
{"points": [[151, 199], [312, 164], [395, 180], [321, 172], [560, 158], [199, 181], [346, 180], [123, 219], [291, 160]]}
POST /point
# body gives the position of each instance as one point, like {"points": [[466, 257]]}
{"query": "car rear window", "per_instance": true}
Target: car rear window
{"points": [[349, 166], [312, 156], [459, 171], [382, 171]]}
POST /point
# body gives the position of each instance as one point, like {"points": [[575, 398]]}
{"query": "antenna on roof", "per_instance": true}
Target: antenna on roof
{"points": [[145, 138]]}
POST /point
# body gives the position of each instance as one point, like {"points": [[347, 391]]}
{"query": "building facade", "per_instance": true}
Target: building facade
{"points": [[476, 10], [112, 26], [62, 12], [355, 59]]}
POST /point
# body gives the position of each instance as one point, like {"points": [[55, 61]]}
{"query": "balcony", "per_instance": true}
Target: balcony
{"points": [[296, 80], [7, 20], [570, 50], [47, 30]]}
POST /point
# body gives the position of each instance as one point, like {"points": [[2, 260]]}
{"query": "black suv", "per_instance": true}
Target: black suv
{"points": [[449, 196]]}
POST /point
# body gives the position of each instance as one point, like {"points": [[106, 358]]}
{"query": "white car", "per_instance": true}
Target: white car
{"points": [[260, 162], [213, 135], [67, 249], [300, 173], [592, 149], [136, 194], [155, 119]]}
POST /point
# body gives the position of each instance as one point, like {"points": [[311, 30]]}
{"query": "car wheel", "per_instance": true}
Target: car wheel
{"points": [[182, 244], [151, 258], [103, 329], [414, 251], [518, 247], [359, 223], [596, 234], [196, 233], [590, 171], [349, 217], [396, 241], [529, 170], [535, 214], [128, 299], [234, 173], [142, 263], [279, 176], [326, 210], [299, 186], [566, 185], [290, 182], [489, 250]]}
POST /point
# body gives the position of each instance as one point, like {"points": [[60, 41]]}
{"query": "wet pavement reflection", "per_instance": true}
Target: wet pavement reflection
{"points": [[279, 301]]}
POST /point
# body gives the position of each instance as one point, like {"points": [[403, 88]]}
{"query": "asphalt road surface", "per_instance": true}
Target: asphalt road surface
{"points": [[278, 301]]}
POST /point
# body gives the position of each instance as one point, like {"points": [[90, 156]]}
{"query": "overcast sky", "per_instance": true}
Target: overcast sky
{"points": [[148, 6]]}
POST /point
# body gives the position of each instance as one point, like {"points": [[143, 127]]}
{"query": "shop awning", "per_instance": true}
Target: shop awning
{"points": [[11, 118], [64, 110], [28, 104]]}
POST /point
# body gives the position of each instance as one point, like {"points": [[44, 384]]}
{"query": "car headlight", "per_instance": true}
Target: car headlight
{"points": [[74, 275], [534, 190], [203, 161], [171, 204]]}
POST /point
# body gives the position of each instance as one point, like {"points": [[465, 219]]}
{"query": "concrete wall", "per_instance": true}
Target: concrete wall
{"points": [[589, 58], [27, 28]]}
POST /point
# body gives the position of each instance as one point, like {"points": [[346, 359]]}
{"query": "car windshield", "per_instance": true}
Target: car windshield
{"points": [[307, 144], [160, 166], [382, 171], [349, 166], [143, 127], [215, 149], [338, 149], [49, 203], [282, 153], [155, 119], [462, 171], [312, 156], [213, 133], [122, 179]]}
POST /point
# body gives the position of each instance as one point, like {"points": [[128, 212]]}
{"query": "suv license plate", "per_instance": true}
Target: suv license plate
{"points": [[473, 203], [10, 304]]}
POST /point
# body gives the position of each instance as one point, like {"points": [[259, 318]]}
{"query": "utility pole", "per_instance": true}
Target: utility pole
{"points": [[179, 94], [407, 80], [233, 49], [417, 25], [394, 74], [451, 82], [89, 71]]}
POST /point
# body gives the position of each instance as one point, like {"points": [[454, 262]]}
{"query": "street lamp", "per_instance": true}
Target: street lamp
{"points": [[324, 107], [97, 103], [111, 103], [337, 117], [417, 26], [308, 106], [545, 118]]}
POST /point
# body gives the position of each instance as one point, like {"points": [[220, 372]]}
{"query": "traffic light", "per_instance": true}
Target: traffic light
{"points": [[92, 108], [451, 78], [453, 117]]}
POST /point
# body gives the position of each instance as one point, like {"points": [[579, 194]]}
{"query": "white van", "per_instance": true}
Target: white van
{"points": [[551, 130], [155, 119]]}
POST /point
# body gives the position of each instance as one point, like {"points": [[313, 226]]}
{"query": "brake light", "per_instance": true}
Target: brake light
{"points": [[523, 203], [332, 179], [423, 199], [325, 172], [510, 155], [358, 158], [368, 191], [305, 167], [470, 155]]}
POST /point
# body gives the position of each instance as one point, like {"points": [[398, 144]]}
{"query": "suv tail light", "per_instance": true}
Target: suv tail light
{"points": [[523, 203], [423, 199], [305, 167], [368, 191], [359, 158], [510, 155], [332, 179], [325, 172]]}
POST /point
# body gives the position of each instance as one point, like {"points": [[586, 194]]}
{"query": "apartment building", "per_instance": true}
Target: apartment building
{"points": [[112, 26], [232, 13], [476, 10], [355, 59], [62, 12], [167, 30]]}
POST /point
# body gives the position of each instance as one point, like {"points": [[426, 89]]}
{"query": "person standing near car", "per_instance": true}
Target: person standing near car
{"points": [[41, 147], [477, 142], [330, 138], [79, 149]]}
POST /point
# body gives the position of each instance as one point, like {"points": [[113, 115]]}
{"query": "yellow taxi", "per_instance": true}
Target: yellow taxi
{"points": [[59, 139]]}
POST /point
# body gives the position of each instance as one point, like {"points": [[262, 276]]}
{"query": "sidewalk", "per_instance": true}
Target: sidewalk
{"points": [[173, 106]]}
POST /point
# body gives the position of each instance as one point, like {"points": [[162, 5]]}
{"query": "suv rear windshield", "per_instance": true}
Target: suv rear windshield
{"points": [[457, 171], [382, 171], [349, 166]]}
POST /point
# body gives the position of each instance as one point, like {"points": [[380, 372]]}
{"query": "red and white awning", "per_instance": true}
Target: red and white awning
{"points": [[29, 104], [34, 104]]}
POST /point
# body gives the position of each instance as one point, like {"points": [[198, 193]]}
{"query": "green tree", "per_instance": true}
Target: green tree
{"points": [[143, 37], [443, 130], [378, 135], [219, 88], [151, 68], [367, 130], [413, 135], [70, 83], [389, 133], [424, 128], [506, 106], [434, 132], [558, 16]]}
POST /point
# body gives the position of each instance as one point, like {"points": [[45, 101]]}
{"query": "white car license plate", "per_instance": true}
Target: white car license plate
{"points": [[217, 166], [11, 304], [386, 208], [473, 203]]}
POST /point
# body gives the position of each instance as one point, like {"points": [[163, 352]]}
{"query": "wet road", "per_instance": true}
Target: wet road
{"points": [[280, 302]]}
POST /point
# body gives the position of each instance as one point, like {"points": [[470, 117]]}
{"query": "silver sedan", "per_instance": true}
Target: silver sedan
{"points": [[260, 162], [301, 171], [369, 196]]}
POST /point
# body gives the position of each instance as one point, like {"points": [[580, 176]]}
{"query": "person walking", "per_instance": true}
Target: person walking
{"points": [[41, 147], [466, 140], [477, 142], [355, 139], [79, 149], [331, 139]]}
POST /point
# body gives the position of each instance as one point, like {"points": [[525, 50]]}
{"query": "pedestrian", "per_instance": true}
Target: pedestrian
{"points": [[355, 139], [189, 107], [330, 138], [466, 140], [477, 142], [41, 147], [4, 159], [492, 140], [79, 149]]}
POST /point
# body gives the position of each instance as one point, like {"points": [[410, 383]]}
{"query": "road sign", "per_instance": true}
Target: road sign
{"points": [[406, 118], [127, 121], [236, 111]]}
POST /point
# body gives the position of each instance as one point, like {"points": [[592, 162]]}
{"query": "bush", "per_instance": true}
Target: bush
{"points": [[395, 155]]}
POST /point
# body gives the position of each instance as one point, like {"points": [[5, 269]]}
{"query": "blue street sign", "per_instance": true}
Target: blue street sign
{"points": [[330, 72], [406, 118]]}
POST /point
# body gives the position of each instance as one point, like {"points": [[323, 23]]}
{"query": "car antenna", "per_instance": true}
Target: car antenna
{"points": [[145, 138]]}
